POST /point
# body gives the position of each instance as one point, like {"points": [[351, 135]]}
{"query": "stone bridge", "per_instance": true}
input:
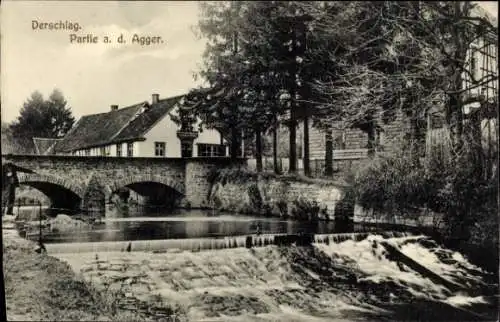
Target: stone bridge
{"points": [[86, 183]]}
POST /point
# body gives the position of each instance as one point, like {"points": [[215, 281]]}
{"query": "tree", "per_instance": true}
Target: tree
{"points": [[385, 56], [253, 53], [8, 145], [349, 63], [241, 68], [41, 118], [411, 56]]}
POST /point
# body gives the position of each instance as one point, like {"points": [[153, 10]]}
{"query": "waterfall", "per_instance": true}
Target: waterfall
{"points": [[252, 285]]}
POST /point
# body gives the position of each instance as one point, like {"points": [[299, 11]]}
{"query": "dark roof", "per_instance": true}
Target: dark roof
{"points": [[44, 146], [97, 129], [145, 121]]}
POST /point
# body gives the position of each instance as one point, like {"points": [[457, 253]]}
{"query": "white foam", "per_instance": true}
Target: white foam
{"points": [[464, 300], [184, 277], [371, 261]]}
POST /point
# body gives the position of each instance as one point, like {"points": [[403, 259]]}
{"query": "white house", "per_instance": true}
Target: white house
{"points": [[141, 130]]}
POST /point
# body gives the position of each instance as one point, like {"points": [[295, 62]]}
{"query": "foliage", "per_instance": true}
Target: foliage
{"points": [[231, 175], [305, 209], [8, 144], [386, 56], [282, 208], [248, 64], [256, 201], [239, 175], [41, 118], [468, 199], [395, 185], [390, 184]]}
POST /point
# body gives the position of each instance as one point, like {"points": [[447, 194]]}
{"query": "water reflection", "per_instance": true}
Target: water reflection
{"points": [[138, 224]]}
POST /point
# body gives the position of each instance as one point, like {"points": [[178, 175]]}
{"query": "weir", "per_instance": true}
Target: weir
{"points": [[289, 283], [199, 244]]}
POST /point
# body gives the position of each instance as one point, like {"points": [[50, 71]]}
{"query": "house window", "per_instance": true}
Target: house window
{"points": [[102, 151], [160, 149], [186, 150], [130, 149], [87, 152], [211, 150], [119, 150]]}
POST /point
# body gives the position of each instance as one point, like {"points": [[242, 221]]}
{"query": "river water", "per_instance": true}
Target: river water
{"points": [[139, 224], [335, 279]]}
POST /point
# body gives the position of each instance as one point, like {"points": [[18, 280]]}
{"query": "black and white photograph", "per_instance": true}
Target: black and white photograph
{"points": [[251, 161]]}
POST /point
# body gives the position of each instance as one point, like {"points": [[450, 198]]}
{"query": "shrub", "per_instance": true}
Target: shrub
{"points": [[305, 209], [256, 201], [283, 208], [453, 187], [231, 175], [390, 184], [469, 200]]}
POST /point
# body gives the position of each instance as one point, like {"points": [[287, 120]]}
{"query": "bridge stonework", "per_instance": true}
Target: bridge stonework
{"points": [[88, 182]]}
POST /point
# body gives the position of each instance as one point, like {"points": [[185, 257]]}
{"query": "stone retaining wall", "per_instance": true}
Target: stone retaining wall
{"points": [[420, 218], [272, 196]]}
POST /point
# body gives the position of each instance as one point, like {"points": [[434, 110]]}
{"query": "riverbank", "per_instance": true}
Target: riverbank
{"points": [[266, 194], [306, 199], [39, 287]]}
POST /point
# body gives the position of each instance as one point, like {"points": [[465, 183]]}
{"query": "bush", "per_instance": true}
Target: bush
{"points": [[396, 185], [282, 206], [235, 175], [305, 209], [468, 200], [390, 184], [255, 197]]}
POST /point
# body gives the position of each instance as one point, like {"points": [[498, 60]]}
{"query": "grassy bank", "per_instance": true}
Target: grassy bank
{"points": [[39, 287]]}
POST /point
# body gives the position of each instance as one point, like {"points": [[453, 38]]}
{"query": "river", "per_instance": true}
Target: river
{"points": [[140, 224]]}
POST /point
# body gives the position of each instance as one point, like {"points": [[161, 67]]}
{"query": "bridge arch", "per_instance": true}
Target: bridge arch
{"points": [[158, 190], [167, 181], [26, 178], [63, 194]]}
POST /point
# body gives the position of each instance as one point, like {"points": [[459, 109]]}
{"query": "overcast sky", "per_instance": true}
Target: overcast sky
{"points": [[94, 76]]}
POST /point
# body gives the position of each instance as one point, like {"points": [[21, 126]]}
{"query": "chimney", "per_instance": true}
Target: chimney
{"points": [[155, 98], [114, 107]]}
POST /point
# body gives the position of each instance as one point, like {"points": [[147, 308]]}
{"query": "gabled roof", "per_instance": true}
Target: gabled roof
{"points": [[44, 146], [98, 129], [137, 127]]}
